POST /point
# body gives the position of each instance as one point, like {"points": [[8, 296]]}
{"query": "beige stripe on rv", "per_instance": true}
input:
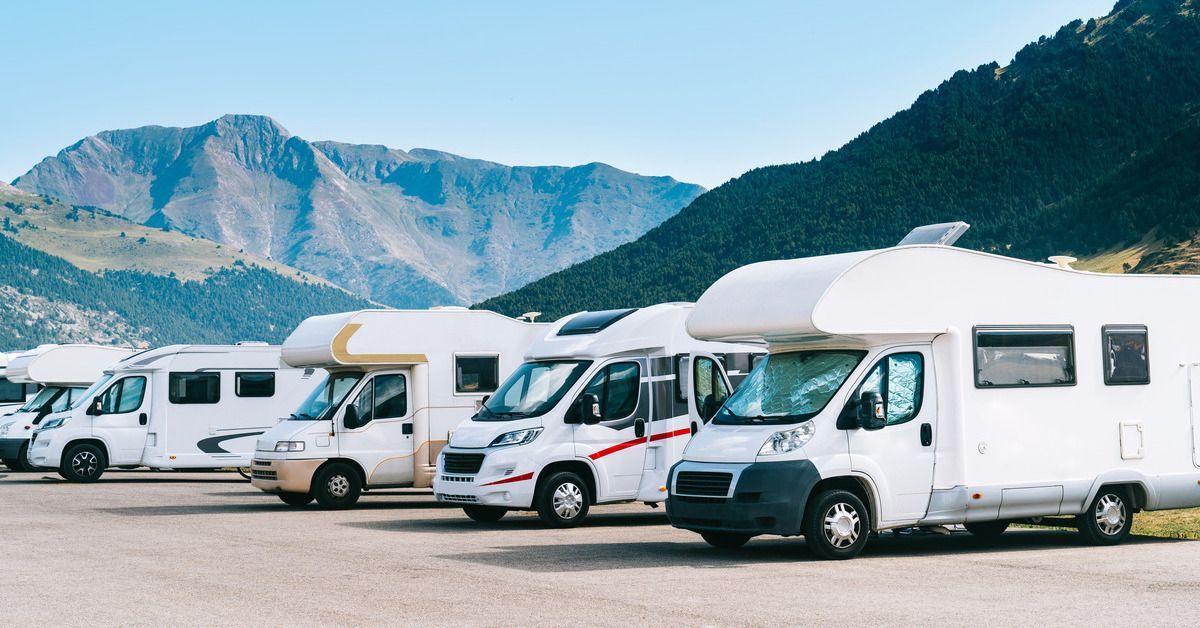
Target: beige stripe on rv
{"points": [[343, 355]]}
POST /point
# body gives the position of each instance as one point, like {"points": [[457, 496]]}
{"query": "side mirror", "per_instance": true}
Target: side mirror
{"points": [[350, 418], [872, 415], [589, 409], [95, 408]]}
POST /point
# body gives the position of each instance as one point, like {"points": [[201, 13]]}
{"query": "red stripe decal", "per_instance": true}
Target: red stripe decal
{"points": [[638, 441], [515, 478]]}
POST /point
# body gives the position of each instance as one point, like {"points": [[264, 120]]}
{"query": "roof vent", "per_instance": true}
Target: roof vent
{"points": [[251, 343], [1063, 261], [942, 234], [593, 322], [529, 317]]}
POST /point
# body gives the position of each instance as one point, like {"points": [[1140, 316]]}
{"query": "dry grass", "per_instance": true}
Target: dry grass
{"points": [[1169, 524]]}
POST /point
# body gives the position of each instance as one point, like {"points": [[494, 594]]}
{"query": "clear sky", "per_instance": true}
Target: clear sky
{"points": [[701, 91]]}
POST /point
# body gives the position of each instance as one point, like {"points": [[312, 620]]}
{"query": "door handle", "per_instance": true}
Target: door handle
{"points": [[639, 428], [406, 429], [143, 419], [926, 434]]}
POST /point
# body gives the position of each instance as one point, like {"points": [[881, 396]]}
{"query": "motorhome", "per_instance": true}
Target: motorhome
{"points": [[12, 394], [399, 381], [176, 407], [927, 385], [601, 408], [63, 372]]}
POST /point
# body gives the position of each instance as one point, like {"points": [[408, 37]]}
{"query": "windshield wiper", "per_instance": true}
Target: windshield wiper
{"points": [[301, 416]]}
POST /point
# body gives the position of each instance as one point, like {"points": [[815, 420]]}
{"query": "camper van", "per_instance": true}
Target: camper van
{"points": [[399, 381], [64, 372], [177, 407], [927, 385], [601, 408], [13, 395]]}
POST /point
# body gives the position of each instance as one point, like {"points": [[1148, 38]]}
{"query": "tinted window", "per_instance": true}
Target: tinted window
{"points": [[476, 374], [1009, 357], [10, 392], [187, 388], [254, 384], [711, 391], [391, 397], [123, 396], [900, 381], [532, 390], [616, 386], [1126, 354]]}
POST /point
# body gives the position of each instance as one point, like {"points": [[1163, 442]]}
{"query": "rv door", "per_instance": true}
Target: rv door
{"points": [[376, 428], [616, 445], [709, 388], [123, 419]]}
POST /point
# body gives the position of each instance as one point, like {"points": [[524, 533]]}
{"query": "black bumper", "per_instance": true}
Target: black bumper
{"points": [[11, 447], [769, 498]]}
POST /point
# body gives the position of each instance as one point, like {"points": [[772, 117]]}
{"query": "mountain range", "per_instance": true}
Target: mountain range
{"points": [[1087, 143], [404, 228]]}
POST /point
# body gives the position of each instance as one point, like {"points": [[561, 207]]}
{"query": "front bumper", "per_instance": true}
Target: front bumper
{"points": [[505, 479], [10, 448], [763, 498], [281, 475]]}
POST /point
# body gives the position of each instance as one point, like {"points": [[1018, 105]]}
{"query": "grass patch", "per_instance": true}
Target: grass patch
{"points": [[1169, 524]]}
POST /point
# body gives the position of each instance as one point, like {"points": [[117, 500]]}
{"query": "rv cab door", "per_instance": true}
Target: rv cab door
{"points": [[616, 446], [124, 419], [380, 435], [708, 388]]}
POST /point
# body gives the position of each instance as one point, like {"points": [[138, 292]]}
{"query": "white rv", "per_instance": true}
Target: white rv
{"points": [[13, 395], [930, 385], [177, 407], [598, 413], [64, 372], [398, 381]]}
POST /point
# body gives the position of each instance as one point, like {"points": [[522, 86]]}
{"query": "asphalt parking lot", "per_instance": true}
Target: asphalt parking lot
{"points": [[144, 548]]}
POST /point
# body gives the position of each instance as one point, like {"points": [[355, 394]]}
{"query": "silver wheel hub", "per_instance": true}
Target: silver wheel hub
{"points": [[339, 486], [85, 463], [1110, 514], [568, 500], [842, 525]]}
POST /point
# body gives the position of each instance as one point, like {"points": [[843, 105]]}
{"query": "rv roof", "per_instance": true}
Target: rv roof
{"points": [[592, 322]]}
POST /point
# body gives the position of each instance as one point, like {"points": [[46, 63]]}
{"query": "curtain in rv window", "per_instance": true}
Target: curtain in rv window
{"points": [[1009, 357], [254, 384], [1126, 354], [476, 373], [192, 388]]}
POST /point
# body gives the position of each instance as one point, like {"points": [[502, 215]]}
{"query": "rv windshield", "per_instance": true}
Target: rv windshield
{"points": [[788, 387], [91, 391], [532, 390], [55, 397], [326, 397]]}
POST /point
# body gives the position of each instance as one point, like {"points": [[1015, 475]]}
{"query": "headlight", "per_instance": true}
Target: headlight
{"points": [[289, 445], [519, 437], [53, 424], [788, 441]]}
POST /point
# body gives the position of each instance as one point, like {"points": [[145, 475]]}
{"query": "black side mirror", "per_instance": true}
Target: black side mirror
{"points": [[872, 415], [350, 418], [589, 409], [95, 408]]}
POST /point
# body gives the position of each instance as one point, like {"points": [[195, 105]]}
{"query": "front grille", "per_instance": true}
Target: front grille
{"points": [[262, 474], [457, 499], [703, 483], [458, 478], [262, 463], [465, 464]]}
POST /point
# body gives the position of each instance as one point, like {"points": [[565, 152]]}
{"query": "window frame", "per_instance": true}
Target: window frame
{"points": [[882, 360], [237, 384], [717, 375], [369, 382], [1105, 330], [172, 399], [375, 397], [1032, 329], [683, 389], [120, 393], [637, 400], [454, 373]]}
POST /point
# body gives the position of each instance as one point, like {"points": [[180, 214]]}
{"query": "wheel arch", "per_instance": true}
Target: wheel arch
{"points": [[575, 465], [89, 440], [362, 474], [859, 485], [1141, 492]]}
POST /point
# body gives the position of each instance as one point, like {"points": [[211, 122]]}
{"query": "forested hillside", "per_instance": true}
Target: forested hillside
{"points": [[1084, 143]]}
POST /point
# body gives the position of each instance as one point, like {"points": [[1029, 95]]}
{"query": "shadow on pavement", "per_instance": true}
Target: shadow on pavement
{"points": [[260, 502], [521, 522], [159, 479]]}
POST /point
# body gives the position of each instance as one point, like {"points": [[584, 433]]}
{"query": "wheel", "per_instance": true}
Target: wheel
{"points": [[11, 463], [836, 525], [83, 463], [563, 500], [296, 499], [337, 486], [1109, 519], [244, 472], [988, 530], [725, 540], [485, 514]]}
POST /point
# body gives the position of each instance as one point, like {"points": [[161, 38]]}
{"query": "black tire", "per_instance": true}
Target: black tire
{"points": [[244, 472], [337, 486], [11, 463], [296, 499], [725, 540], [986, 530], [563, 500], [485, 514], [83, 463], [848, 528], [1108, 519]]}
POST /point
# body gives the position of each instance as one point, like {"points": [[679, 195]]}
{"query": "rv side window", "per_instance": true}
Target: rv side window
{"points": [[900, 381], [616, 385], [384, 397], [124, 396], [476, 374], [10, 392], [254, 384], [194, 388], [1008, 357], [1126, 354], [711, 391]]}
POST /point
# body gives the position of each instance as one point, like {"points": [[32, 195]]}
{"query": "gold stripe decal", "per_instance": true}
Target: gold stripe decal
{"points": [[343, 355]]}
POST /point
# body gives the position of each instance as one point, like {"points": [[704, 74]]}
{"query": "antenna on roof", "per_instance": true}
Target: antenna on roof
{"points": [[943, 234], [529, 317]]}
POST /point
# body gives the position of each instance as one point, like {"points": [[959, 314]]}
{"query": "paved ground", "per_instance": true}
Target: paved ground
{"points": [[145, 548]]}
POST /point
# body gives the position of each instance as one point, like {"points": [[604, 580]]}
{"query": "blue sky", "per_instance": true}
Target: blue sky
{"points": [[701, 91]]}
